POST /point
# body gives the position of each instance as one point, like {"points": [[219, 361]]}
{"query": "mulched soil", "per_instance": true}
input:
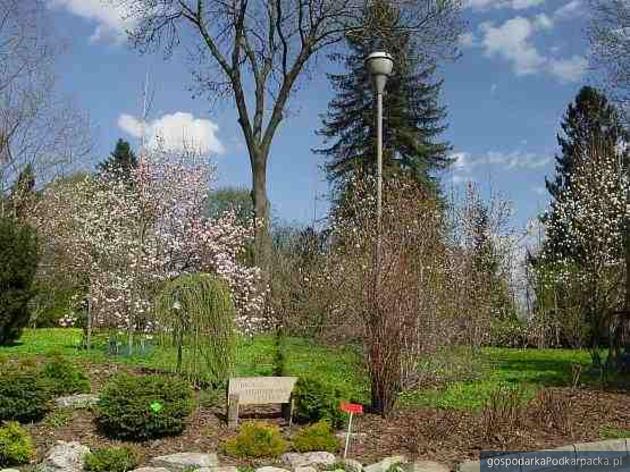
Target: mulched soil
{"points": [[562, 416]]}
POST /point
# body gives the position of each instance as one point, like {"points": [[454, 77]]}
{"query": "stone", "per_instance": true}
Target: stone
{"points": [[352, 465], [271, 469], [186, 460], [83, 400], [306, 468], [469, 466], [295, 459], [224, 468], [385, 464], [9, 470], [426, 466], [65, 457], [151, 469]]}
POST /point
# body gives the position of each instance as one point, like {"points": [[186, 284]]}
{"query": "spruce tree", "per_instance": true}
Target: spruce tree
{"points": [[590, 118], [413, 117], [122, 159], [590, 121]]}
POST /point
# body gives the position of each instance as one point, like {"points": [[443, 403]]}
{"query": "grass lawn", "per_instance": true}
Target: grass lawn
{"points": [[485, 372]]}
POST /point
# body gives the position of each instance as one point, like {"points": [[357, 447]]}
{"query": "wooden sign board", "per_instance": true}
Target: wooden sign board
{"points": [[262, 390], [259, 391]]}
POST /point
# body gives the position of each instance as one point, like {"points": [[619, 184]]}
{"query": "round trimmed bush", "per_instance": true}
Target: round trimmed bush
{"points": [[316, 437], [16, 445], [144, 407], [112, 459], [24, 395], [256, 439], [317, 400]]}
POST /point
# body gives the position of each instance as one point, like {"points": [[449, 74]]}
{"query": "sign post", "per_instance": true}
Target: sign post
{"points": [[352, 409]]}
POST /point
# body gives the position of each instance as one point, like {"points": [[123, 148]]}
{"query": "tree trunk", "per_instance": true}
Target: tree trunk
{"points": [[262, 244]]}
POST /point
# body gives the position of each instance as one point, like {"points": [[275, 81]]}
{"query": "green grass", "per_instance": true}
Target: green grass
{"points": [[610, 432], [469, 377]]}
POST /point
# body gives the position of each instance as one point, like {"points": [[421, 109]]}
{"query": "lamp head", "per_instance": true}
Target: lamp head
{"points": [[380, 65]]}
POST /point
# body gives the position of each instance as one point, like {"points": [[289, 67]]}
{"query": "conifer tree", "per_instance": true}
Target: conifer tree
{"points": [[413, 117], [122, 159]]}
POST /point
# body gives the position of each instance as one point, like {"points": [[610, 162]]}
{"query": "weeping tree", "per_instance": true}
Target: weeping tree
{"points": [[196, 314]]}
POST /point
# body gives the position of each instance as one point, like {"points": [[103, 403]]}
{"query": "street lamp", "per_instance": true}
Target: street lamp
{"points": [[380, 65]]}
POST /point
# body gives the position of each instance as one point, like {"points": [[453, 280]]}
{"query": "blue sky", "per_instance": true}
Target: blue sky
{"points": [[522, 62]]}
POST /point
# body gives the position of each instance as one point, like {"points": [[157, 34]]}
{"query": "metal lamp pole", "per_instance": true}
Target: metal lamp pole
{"points": [[380, 65]]}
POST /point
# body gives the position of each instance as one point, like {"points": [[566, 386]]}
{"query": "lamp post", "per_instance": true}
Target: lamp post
{"points": [[380, 65]]}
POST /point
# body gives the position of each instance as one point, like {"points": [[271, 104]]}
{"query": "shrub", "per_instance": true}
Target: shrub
{"points": [[112, 459], [24, 395], [16, 446], [256, 439], [316, 437], [18, 262], [64, 377], [316, 400], [144, 407]]}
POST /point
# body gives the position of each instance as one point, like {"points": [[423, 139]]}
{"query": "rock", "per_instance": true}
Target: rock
{"points": [[352, 465], [307, 468], [65, 457], [225, 468], [151, 469], [9, 470], [83, 400], [385, 464], [469, 466], [186, 460], [296, 460], [426, 466], [271, 469]]}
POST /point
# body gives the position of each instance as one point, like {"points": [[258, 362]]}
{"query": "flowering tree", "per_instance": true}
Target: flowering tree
{"points": [[588, 222], [126, 234]]}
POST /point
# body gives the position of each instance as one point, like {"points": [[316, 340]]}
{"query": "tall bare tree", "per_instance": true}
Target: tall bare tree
{"points": [[609, 34], [38, 127], [260, 49]]}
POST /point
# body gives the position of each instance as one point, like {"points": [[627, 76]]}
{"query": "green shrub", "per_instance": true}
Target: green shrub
{"points": [[144, 407], [316, 437], [24, 395], [316, 400], [18, 262], [64, 377], [112, 459], [16, 446], [255, 440]]}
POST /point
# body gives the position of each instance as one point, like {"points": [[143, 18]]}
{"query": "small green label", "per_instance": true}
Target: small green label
{"points": [[156, 407]]}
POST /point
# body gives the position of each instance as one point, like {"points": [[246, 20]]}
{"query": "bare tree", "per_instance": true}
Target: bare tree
{"points": [[264, 46], [37, 125], [609, 34]]}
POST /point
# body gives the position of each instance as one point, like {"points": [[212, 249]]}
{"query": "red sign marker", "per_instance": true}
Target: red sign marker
{"points": [[354, 408]]}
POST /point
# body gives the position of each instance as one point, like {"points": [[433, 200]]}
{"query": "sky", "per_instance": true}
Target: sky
{"points": [[522, 62]]}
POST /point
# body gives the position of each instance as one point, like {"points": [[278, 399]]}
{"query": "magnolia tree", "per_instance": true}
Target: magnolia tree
{"points": [[589, 221], [127, 234]]}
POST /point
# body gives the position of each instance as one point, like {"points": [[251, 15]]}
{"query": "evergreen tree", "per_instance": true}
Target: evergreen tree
{"points": [[122, 159], [413, 117], [19, 257], [590, 121], [22, 192]]}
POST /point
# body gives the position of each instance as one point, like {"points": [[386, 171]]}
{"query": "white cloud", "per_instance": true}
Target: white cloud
{"points": [[112, 19], [467, 40], [465, 164], [513, 4], [569, 10], [513, 42], [178, 131], [568, 70]]}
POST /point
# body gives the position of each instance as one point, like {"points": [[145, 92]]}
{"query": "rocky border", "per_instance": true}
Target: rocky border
{"points": [[572, 450]]}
